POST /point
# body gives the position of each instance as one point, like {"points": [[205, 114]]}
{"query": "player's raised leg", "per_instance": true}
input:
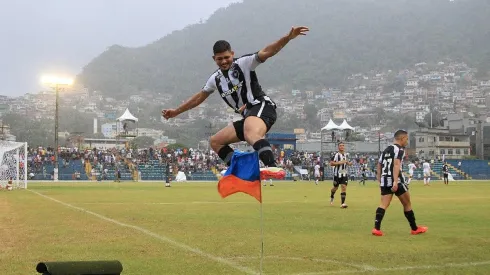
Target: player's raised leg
{"points": [[407, 209], [254, 130], [220, 143]]}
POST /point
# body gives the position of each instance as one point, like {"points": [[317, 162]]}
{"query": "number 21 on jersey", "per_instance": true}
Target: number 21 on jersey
{"points": [[387, 167]]}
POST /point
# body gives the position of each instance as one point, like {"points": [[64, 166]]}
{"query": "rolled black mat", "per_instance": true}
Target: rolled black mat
{"points": [[80, 268]]}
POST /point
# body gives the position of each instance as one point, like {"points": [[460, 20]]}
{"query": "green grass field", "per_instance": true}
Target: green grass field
{"points": [[189, 229]]}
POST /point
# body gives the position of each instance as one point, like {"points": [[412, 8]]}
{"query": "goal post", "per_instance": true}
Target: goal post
{"points": [[13, 164]]}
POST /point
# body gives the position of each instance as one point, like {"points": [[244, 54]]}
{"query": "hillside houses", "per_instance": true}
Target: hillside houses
{"points": [[448, 87]]}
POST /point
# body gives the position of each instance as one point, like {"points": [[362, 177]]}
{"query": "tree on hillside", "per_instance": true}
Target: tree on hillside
{"points": [[312, 119], [25, 129], [177, 146], [380, 114], [143, 142], [436, 119]]}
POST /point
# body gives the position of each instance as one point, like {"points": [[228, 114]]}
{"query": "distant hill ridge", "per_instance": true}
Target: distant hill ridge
{"points": [[347, 36]]}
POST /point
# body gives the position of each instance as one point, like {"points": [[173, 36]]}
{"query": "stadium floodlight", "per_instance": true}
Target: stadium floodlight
{"points": [[57, 83], [56, 80]]}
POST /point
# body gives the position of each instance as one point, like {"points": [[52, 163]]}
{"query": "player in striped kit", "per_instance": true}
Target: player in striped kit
{"points": [[237, 84], [339, 163], [391, 180]]}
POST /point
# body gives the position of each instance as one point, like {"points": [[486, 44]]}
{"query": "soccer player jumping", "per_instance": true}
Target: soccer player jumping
{"points": [[391, 180], [237, 84]]}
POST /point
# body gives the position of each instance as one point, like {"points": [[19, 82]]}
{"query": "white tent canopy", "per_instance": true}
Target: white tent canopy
{"points": [[180, 177], [345, 126], [331, 126], [127, 116]]}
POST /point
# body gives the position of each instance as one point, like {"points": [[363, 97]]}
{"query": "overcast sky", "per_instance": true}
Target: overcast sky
{"points": [[61, 36]]}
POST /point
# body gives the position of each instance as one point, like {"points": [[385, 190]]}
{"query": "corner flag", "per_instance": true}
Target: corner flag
{"points": [[243, 175]]}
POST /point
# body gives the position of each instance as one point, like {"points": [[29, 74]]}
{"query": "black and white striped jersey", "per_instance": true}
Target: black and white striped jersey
{"points": [[387, 161], [239, 85], [340, 171], [445, 169]]}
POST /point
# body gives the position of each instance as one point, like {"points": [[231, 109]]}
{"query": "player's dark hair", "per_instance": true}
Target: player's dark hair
{"points": [[400, 133], [340, 142], [221, 46]]}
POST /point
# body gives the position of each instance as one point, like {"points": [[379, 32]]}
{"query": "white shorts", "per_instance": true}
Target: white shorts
{"points": [[426, 173], [317, 175]]}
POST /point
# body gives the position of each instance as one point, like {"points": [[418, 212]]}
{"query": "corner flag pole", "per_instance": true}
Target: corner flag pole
{"points": [[261, 233]]}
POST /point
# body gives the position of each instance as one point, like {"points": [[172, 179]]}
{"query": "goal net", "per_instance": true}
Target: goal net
{"points": [[13, 164]]}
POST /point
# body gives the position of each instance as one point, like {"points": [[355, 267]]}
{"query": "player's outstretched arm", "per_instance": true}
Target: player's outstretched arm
{"points": [[192, 102], [275, 47]]}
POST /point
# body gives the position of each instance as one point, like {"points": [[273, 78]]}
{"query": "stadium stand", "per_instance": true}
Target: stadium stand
{"points": [[201, 166]]}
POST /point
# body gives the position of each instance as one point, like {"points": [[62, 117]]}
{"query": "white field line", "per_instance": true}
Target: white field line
{"points": [[401, 268], [360, 268], [342, 263], [157, 236]]}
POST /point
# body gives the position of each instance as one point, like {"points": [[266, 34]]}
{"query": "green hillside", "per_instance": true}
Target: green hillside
{"points": [[347, 36]]}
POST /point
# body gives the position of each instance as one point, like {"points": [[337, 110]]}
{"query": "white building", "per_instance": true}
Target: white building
{"points": [[109, 130]]}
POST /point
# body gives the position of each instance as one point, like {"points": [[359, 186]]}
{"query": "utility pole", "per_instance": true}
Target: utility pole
{"points": [[56, 118], [209, 133], [379, 143], [431, 119], [479, 141], [3, 133], [481, 152]]}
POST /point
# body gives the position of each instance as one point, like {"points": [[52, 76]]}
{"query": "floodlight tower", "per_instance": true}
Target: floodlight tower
{"points": [[56, 83]]}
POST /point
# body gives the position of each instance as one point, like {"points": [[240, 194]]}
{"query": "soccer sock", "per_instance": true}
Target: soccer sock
{"points": [[263, 148], [342, 197], [428, 180], [332, 194], [411, 219], [425, 181], [380, 213], [225, 153], [409, 180]]}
